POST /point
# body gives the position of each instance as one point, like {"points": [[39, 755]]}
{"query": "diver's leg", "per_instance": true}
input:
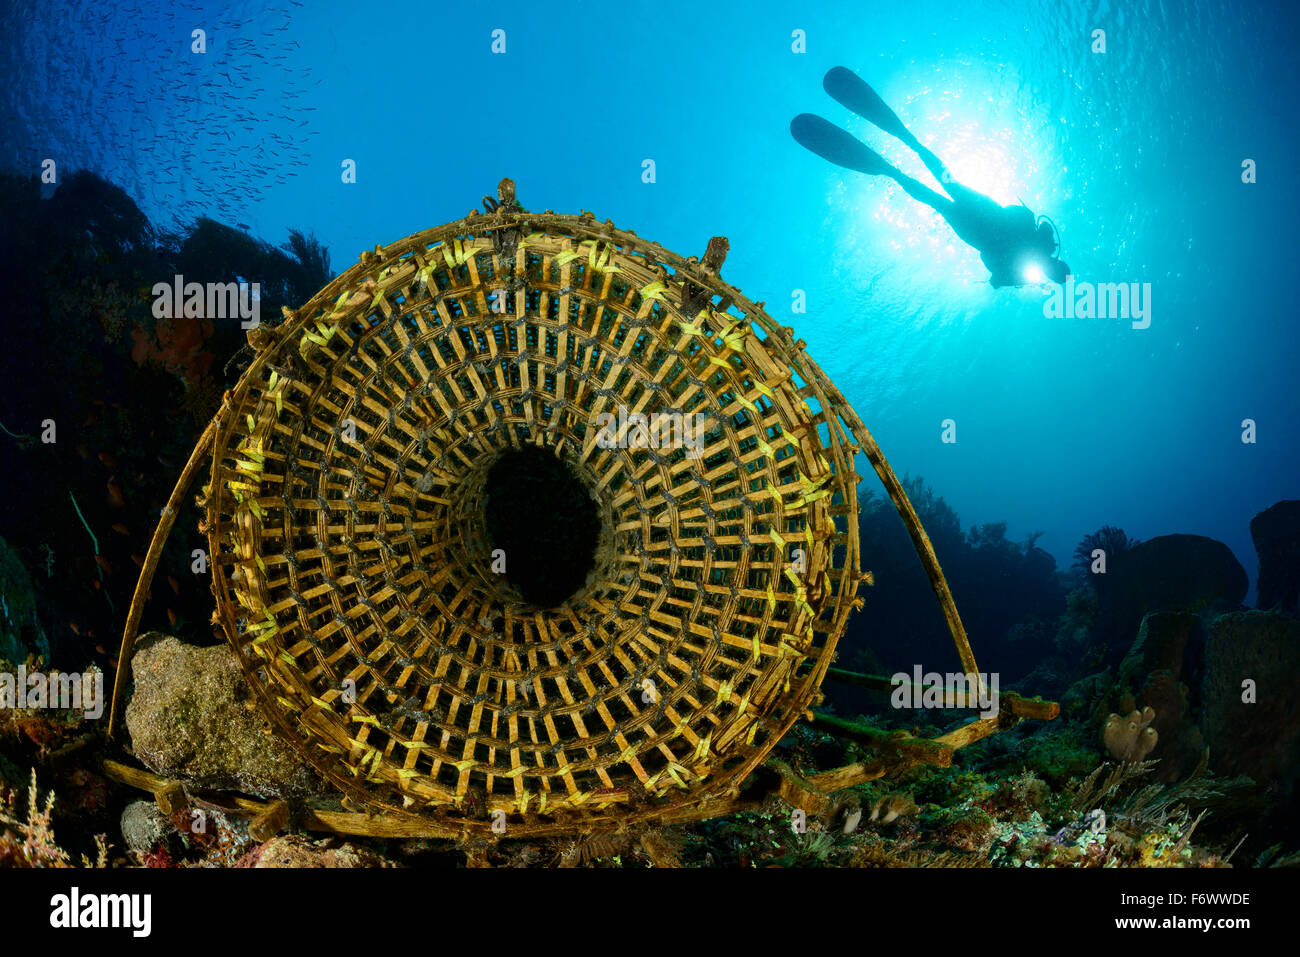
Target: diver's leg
{"points": [[938, 169], [973, 216], [923, 194], [976, 201], [852, 91], [965, 221], [836, 146], [855, 93]]}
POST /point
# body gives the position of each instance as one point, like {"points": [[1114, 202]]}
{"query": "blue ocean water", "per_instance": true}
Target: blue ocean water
{"points": [[1136, 153]]}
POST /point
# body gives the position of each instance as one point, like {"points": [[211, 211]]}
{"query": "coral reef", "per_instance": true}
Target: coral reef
{"points": [[1008, 591], [891, 807], [128, 402], [293, 850], [964, 828], [21, 633], [179, 346]]}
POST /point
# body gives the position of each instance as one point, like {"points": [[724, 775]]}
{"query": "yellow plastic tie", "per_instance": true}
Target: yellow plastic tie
{"points": [[654, 291]]}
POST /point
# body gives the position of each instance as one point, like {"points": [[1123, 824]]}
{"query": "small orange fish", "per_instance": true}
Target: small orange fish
{"points": [[102, 562], [138, 560], [115, 498], [108, 460], [171, 616], [100, 649], [75, 629], [176, 586], [121, 529]]}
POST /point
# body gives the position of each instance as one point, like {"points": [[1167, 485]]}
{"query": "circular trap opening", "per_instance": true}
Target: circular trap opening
{"points": [[543, 517]]}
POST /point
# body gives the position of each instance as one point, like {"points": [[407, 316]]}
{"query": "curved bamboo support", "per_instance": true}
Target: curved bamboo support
{"points": [[924, 549], [903, 505], [165, 523]]}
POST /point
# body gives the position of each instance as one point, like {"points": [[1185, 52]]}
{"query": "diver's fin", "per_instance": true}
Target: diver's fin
{"points": [[852, 91], [832, 143]]}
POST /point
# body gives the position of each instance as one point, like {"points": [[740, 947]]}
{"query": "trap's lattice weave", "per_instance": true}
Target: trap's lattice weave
{"points": [[353, 574]]}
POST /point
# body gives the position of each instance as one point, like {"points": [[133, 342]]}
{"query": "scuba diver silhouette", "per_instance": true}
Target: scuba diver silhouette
{"points": [[1017, 249]]}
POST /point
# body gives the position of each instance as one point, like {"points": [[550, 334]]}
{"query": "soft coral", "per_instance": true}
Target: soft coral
{"points": [[178, 346]]}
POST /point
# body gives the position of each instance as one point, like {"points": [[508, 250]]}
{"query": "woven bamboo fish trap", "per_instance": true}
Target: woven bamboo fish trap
{"points": [[354, 576]]}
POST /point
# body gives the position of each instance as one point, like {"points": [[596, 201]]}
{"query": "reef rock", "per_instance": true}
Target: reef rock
{"points": [[1084, 699], [1252, 729], [192, 718], [292, 850], [966, 829], [1276, 533], [1187, 572], [1179, 744], [1163, 640], [144, 826]]}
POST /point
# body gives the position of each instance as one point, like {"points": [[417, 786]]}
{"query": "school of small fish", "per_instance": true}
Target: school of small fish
{"points": [[118, 90]]}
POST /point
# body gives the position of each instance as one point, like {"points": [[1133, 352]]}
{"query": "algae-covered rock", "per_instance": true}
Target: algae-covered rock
{"points": [[192, 718], [292, 850], [969, 829], [1276, 533], [144, 826]]}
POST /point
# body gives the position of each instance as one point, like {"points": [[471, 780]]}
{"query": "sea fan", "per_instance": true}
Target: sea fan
{"points": [[1109, 539]]}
